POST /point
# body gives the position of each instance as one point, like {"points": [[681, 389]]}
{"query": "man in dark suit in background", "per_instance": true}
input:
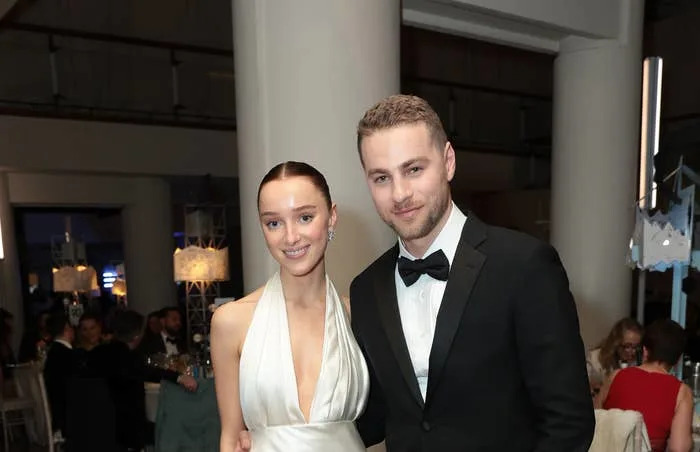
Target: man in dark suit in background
{"points": [[59, 367], [125, 372], [470, 332], [170, 340]]}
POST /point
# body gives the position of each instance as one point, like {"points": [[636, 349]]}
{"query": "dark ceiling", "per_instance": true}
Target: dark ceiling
{"points": [[657, 10]]}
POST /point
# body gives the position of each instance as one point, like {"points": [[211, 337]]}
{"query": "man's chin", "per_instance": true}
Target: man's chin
{"points": [[408, 234]]}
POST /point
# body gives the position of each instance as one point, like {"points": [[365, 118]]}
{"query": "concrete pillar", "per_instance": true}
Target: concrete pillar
{"points": [[597, 92], [10, 277], [148, 246], [305, 73]]}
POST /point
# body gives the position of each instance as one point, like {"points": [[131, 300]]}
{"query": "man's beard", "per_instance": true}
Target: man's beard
{"points": [[170, 332], [435, 214]]}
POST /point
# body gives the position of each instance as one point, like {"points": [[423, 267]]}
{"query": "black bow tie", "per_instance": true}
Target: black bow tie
{"points": [[171, 340], [436, 265]]}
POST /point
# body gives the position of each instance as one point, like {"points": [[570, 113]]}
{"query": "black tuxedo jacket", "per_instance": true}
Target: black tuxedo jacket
{"points": [[154, 343], [125, 373], [507, 365], [59, 367]]}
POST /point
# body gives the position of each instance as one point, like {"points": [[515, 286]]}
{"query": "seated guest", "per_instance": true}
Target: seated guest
{"points": [[7, 355], [665, 403], [89, 331], [59, 367], [154, 326], [125, 372], [35, 340], [169, 341], [153, 323], [618, 350]]}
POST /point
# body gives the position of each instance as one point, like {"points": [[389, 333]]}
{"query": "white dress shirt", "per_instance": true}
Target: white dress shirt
{"points": [[420, 302], [170, 348]]}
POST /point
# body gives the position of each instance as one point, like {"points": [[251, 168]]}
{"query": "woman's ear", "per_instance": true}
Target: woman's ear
{"points": [[333, 218]]}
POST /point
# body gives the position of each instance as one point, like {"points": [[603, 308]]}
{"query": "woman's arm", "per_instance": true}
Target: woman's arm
{"points": [[226, 326], [681, 438], [599, 399]]}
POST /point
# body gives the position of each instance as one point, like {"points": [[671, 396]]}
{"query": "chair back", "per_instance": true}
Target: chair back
{"points": [[619, 431], [29, 384], [24, 375], [46, 410]]}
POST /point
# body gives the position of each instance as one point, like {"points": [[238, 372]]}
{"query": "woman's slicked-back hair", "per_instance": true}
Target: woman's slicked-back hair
{"points": [[297, 169]]}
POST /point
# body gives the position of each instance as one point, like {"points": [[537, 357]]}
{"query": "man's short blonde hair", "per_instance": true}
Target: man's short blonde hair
{"points": [[399, 110]]}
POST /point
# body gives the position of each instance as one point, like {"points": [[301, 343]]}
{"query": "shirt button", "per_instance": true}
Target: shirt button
{"points": [[425, 425]]}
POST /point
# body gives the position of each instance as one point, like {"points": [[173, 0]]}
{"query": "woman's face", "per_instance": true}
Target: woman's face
{"points": [[295, 220], [629, 346]]}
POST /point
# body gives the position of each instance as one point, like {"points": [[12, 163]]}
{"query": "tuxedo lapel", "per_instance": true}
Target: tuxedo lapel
{"points": [[162, 348], [389, 313], [464, 271]]}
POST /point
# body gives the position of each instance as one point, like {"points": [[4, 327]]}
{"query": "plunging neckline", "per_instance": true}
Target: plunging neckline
{"points": [[293, 373]]}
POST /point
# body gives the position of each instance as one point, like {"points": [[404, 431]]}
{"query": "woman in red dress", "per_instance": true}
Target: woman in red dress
{"points": [[665, 402]]}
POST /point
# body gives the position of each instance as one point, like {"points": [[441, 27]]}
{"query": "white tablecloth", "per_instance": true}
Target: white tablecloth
{"points": [[152, 393]]}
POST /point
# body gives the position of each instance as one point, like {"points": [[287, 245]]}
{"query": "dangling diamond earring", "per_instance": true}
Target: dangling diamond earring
{"points": [[331, 234]]}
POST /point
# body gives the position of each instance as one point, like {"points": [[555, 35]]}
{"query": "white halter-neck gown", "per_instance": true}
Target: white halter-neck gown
{"points": [[268, 390]]}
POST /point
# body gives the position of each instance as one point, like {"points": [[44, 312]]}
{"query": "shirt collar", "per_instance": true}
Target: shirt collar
{"points": [[64, 343], [448, 238]]}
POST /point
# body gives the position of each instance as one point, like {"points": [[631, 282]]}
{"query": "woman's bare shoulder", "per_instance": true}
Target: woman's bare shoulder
{"points": [[237, 313]]}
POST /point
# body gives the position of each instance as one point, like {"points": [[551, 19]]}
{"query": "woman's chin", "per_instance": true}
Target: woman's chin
{"points": [[302, 268]]}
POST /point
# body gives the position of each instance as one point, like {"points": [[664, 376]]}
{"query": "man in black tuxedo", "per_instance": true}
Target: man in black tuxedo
{"points": [[470, 331], [59, 367], [170, 341], [123, 368]]}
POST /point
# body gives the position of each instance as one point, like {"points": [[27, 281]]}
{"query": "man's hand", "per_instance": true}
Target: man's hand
{"points": [[243, 444], [188, 382]]}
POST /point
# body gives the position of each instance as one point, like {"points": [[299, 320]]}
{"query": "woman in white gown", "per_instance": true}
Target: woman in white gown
{"points": [[286, 364]]}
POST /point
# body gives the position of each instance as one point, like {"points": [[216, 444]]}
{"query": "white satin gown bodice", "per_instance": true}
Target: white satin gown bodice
{"points": [[268, 390]]}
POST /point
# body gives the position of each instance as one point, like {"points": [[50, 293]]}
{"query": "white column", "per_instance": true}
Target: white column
{"points": [[10, 277], [148, 246], [306, 71], [597, 89]]}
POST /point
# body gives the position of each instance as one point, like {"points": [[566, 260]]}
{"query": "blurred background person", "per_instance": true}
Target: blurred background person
{"points": [[169, 341], [35, 340], [89, 331], [665, 402], [125, 372], [619, 349], [58, 369]]}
